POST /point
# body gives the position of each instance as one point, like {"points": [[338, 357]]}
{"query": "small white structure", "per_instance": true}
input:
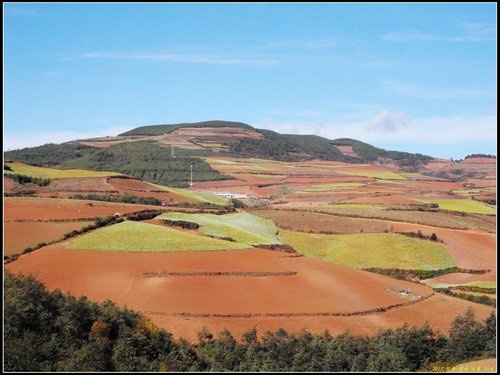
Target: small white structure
{"points": [[231, 195]]}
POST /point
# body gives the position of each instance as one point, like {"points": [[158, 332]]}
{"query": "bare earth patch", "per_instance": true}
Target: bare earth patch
{"points": [[300, 293]]}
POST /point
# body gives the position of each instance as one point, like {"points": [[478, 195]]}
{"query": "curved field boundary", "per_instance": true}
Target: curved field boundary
{"points": [[220, 273], [375, 310], [52, 220], [470, 225]]}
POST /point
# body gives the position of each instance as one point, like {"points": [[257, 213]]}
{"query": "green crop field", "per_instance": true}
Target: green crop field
{"points": [[131, 236], [51, 173], [242, 227], [463, 205], [383, 250]]}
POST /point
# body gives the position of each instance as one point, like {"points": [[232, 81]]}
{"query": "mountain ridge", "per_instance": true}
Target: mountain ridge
{"points": [[165, 153]]}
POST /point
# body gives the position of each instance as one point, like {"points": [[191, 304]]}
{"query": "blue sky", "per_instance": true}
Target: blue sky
{"points": [[411, 77]]}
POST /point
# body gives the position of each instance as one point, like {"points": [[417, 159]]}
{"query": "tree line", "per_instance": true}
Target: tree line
{"points": [[53, 331]]}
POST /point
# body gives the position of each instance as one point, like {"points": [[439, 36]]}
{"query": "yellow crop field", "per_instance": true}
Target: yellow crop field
{"points": [[131, 236], [53, 173], [463, 205], [383, 250]]}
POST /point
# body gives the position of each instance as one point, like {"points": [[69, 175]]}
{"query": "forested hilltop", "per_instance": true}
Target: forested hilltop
{"points": [[155, 154], [143, 159], [52, 331]]}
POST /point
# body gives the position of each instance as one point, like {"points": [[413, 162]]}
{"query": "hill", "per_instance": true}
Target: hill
{"points": [[164, 153], [165, 129]]}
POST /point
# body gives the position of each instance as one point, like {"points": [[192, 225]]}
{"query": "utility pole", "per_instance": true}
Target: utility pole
{"points": [[191, 183], [172, 152]]}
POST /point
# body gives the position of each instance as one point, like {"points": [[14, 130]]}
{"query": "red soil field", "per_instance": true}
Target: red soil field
{"points": [[461, 278], [219, 133], [484, 183], [19, 236], [140, 188], [437, 164], [307, 180], [347, 150], [51, 209], [317, 222], [438, 311], [310, 299], [384, 199], [490, 161]]}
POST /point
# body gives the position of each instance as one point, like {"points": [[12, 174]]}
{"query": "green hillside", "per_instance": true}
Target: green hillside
{"points": [[151, 162], [369, 153], [165, 129], [142, 159], [293, 147]]}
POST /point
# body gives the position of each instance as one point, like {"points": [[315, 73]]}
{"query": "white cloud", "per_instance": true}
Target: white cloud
{"points": [[386, 121], [423, 131], [176, 57], [33, 139], [470, 32]]}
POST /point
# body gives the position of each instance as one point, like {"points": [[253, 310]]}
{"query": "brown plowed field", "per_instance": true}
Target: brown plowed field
{"points": [[385, 199], [347, 150], [52, 209], [316, 222], [19, 236], [461, 278], [312, 297], [140, 188], [437, 164], [204, 133], [87, 184], [489, 161]]}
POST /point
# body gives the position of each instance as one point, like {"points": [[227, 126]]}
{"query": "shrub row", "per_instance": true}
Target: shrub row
{"points": [[411, 275]]}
